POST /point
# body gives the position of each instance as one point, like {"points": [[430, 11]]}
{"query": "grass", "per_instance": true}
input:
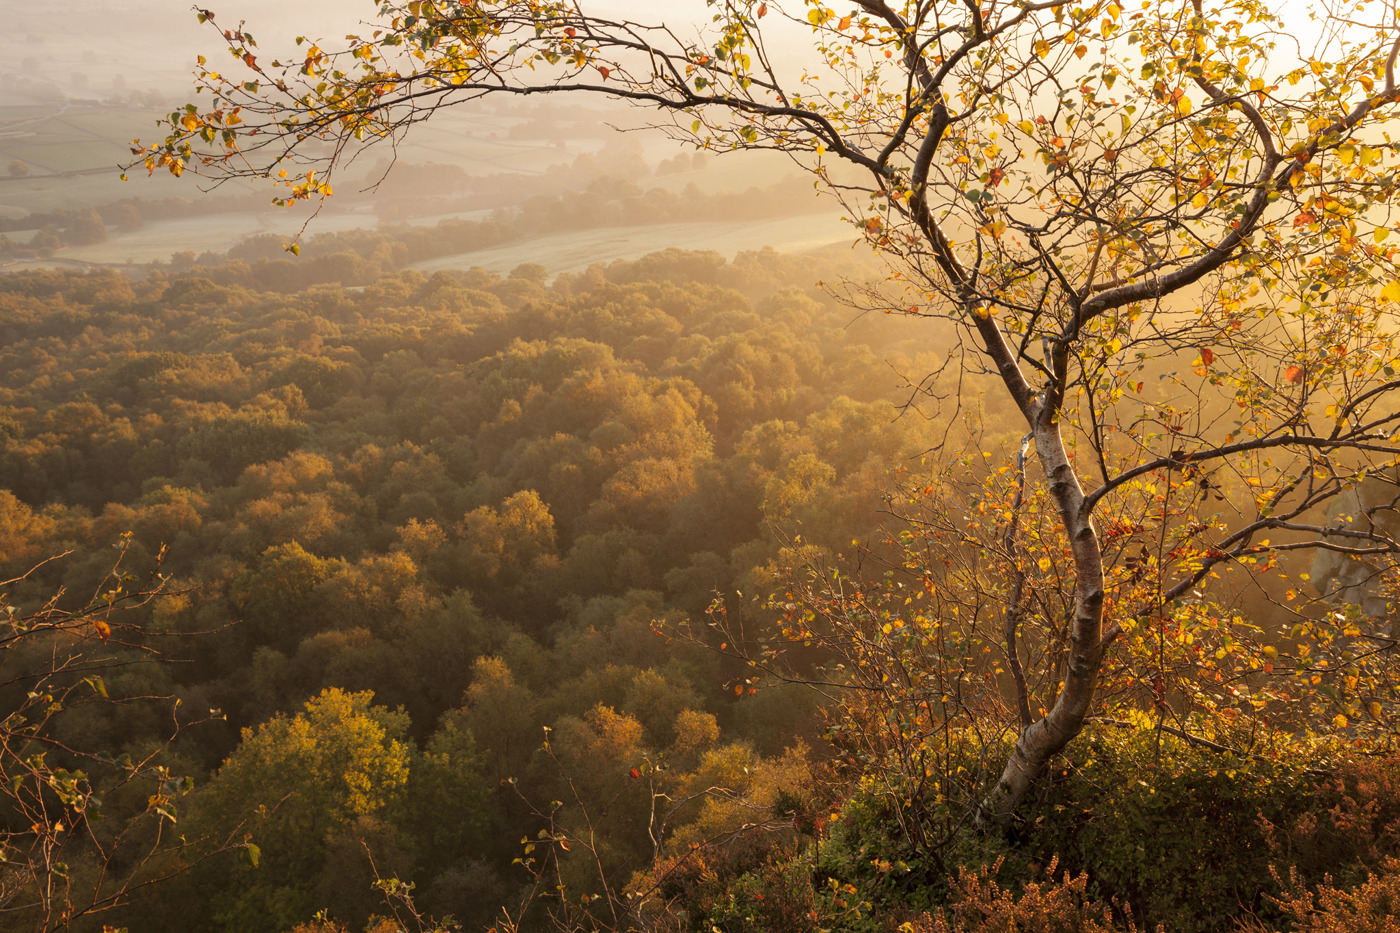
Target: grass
{"points": [[157, 241], [88, 153], [574, 252]]}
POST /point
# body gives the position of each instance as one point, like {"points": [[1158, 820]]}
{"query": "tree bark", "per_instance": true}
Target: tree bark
{"points": [[1045, 738]]}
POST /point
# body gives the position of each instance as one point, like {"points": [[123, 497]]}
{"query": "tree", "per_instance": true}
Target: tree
{"points": [[293, 786], [85, 229], [1091, 195], [83, 828]]}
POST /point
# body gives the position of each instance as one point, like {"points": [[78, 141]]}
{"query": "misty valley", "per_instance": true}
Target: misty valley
{"points": [[556, 467]]}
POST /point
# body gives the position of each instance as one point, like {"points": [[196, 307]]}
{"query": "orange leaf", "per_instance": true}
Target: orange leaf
{"points": [[1293, 374], [845, 23], [762, 10], [604, 72], [1207, 355]]}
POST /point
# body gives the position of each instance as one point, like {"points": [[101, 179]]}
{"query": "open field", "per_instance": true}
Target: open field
{"points": [[156, 241], [574, 252]]}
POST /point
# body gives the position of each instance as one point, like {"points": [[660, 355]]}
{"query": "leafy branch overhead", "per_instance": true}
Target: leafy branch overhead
{"points": [[1088, 190]]}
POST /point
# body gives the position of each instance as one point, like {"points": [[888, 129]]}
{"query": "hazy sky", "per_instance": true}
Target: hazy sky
{"points": [[154, 43]]}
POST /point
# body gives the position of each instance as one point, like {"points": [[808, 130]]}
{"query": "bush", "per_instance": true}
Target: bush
{"points": [[1177, 834], [979, 904], [1352, 825], [1371, 907], [1176, 830]]}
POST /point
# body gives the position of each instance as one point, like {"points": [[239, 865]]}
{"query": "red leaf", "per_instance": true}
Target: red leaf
{"points": [[1293, 374], [570, 32], [604, 72], [634, 774], [1207, 355]]}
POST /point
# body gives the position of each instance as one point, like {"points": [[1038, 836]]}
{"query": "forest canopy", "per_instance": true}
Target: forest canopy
{"points": [[426, 518]]}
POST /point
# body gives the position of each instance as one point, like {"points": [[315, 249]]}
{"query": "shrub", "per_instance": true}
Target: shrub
{"points": [[1371, 907], [979, 904], [1176, 830]]}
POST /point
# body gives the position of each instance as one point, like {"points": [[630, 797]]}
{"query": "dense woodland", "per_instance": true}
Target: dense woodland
{"points": [[453, 567], [419, 521]]}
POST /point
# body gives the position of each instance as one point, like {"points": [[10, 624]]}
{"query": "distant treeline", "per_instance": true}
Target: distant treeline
{"points": [[358, 257]]}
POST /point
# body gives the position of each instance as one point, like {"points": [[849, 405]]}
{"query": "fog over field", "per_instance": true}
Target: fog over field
{"points": [[71, 102]]}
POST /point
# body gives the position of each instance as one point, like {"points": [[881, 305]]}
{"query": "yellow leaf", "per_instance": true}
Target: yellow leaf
{"points": [[1380, 234], [1042, 48], [1199, 201], [190, 122], [1391, 292]]}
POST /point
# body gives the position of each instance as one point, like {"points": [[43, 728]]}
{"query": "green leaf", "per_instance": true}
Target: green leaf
{"points": [[251, 855]]}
